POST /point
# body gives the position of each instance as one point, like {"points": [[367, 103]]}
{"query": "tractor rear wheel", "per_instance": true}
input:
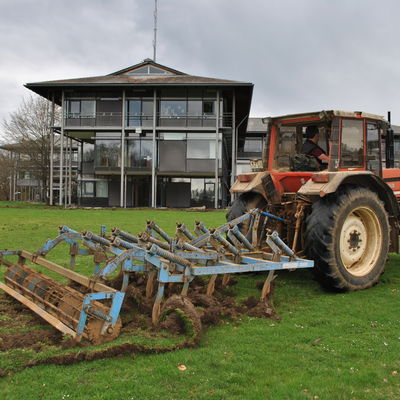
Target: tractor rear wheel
{"points": [[245, 202], [347, 235]]}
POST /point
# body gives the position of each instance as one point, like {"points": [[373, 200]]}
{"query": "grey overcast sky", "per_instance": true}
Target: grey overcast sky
{"points": [[301, 55]]}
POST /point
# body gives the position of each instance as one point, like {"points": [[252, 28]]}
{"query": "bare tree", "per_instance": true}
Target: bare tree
{"points": [[5, 175], [29, 129]]}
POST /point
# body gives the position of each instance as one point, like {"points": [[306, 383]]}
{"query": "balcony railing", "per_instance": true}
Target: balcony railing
{"points": [[114, 119]]}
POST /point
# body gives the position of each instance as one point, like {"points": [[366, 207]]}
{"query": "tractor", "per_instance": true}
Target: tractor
{"points": [[343, 211]]}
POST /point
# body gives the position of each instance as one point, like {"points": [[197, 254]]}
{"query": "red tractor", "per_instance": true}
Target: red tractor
{"points": [[340, 210]]}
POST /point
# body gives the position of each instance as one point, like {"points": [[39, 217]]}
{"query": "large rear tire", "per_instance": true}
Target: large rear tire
{"points": [[244, 203], [347, 235]]}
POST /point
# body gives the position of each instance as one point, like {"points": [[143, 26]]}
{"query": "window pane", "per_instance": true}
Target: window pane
{"points": [[101, 189], [88, 152], [200, 149], [208, 107], [172, 108], [88, 108], [146, 153], [147, 112], [133, 153], [140, 153], [173, 136], [73, 108], [134, 110], [352, 152], [140, 71], [194, 108], [373, 163], [253, 145], [87, 189], [107, 153]]}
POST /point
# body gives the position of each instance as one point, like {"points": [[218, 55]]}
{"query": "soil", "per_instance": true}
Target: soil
{"points": [[179, 316]]}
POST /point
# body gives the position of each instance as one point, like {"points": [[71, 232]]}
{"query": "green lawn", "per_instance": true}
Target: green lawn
{"points": [[326, 345]]}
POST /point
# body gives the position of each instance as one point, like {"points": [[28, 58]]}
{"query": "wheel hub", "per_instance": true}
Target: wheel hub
{"points": [[354, 241]]}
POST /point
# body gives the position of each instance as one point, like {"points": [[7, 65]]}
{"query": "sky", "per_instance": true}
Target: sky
{"points": [[301, 55]]}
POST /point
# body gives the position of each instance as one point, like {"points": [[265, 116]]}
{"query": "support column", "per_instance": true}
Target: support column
{"points": [[153, 164], [11, 175], [70, 174], [60, 202], [122, 180], [15, 178], [51, 175], [216, 191], [234, 139]]}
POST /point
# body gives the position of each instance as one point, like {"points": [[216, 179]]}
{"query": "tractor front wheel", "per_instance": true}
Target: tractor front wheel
{"points": [[347, 235]]}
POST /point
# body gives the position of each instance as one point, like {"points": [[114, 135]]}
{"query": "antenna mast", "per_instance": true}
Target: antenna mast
{"points": [[155, 31]]}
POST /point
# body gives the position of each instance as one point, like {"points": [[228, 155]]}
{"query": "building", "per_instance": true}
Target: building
{"points": [[151, 135]]}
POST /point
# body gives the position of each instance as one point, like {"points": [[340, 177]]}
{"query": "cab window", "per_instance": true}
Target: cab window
{"points": [[352, 149]]}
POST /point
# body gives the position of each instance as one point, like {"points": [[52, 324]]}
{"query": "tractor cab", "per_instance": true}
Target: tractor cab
{"points": [[352, 140], [349, 142]]}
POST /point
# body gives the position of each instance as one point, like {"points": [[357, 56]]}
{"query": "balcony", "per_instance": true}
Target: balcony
{"points": [[114, 119]]}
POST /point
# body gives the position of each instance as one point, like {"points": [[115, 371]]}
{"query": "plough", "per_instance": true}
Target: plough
{"points": [[89, 307]]}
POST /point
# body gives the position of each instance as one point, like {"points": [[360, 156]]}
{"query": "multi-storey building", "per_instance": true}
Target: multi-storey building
{"points": [[151, 135]]}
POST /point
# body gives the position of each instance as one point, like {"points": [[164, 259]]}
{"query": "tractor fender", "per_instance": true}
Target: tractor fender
{"points": [[251, 182], [324, 183]]}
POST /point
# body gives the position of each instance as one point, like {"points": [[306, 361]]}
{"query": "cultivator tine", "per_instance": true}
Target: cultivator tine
{"points": [[95, 238], [200, 228], [146, 238], [125, 235], [155, 315], [239, 236], [266, 289], [221, 240], [211, 285], [151, 225], [182, 232], [150, 284], [181, 244]]}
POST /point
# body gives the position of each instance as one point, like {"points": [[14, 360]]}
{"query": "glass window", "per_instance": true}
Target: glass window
{"points": [[286, 146], [173, 136], [73, 108], [396, 151], [134, 111], [198, 149], [352, 149], [88, 108], [209, 107], [157, 71], [373, 148], [140, 71], [203, 135], [194, 108], [108, 153], [146, 153], [172, 108], [101, 189], [87, 189], [253, 145], [147, 112], [202, 149], [140, 153], [88, 152]]}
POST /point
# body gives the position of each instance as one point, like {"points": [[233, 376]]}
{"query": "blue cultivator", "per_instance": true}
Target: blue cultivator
{"points": [[90, 308]]}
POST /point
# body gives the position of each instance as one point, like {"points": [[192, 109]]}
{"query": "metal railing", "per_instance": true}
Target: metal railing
{"points": [[114, 119]]}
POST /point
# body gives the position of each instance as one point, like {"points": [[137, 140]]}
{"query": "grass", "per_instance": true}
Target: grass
{"points": [[326, 345]]}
